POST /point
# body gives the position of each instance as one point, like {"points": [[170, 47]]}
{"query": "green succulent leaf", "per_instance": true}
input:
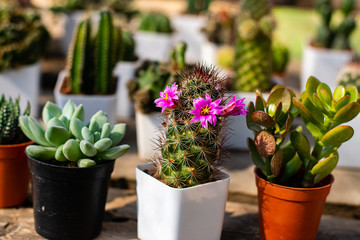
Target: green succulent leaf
{"points": [[276, 162], [339, 93], [320, 91], [315, 112], [326, 165], [338, 104], [291, 168], [259, 103], [306, 115], [57, 135], [263, 119], [300, 143], [49, 111], [255, 156], [325, 97], [41, 152], [71, 150], [59, 155], [311, 86], [280, 95], [114, 152], [338, 135], [347, 113], [353, 92], [68, 109], [117, 133], [85, 162], [249, 122]]}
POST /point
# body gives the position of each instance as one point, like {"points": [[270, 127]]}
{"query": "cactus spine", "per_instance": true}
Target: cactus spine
{"points": [[253, 54]]}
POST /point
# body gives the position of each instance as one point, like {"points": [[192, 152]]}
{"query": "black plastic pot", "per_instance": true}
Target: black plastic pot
{"points": [[69, 203]]}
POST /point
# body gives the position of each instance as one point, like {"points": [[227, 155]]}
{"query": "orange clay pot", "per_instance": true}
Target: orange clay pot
{"points": [[14, 174], [290, 213]]}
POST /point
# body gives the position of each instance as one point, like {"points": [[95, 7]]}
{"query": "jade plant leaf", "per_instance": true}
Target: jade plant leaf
{"points": [[280, 95], [338, 135], [291, 168], [255, 156], [263, 119], [288, 153], [284, 133], [311, 86], [353, 92], [305, 114], [318, 104], [276, 162], [316, 113], [265, 143], [325, 165], [339, 93], [338, 104], [300, 143], [323, 87], [347, 113], [325, 97], [259, 103], [249, 122]]}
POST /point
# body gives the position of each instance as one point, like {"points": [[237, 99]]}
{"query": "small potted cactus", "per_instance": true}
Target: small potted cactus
{"points": [[330, 50], [15, 174], [89, 78], [280, 60], [71, 165], [125, 71], [184, 189], [153, 38], [293, 177], [350, 76], [252, 62], [151, 78], [23, 40]]}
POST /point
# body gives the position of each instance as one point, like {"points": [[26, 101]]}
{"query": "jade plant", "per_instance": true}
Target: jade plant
{"points": [[330, 35], [293, 161], [350, 75], [155, 22], [23, 37], [253, 53], [67, 140], [194, 110], [152, 77], [10, 132], [91, 60]]}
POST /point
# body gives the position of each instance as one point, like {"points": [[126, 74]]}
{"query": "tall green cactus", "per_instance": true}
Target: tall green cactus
{"points": [[91, 61], [9, 121], [68, 140], [253, 53], [295, 163]]}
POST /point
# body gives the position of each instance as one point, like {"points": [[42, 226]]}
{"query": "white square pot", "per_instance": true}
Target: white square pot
{"points": [[91, 103], [166, 213], [153, 46], [148, 127], [239, 133], [188, 28], [323, 64], [23, 82], [124, 71]]}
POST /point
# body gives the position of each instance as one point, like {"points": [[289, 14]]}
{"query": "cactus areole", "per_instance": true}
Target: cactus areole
{"points": [[194, 110]]}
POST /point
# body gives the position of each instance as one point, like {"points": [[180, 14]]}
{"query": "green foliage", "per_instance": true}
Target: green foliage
{"points": [[152, 77], [191, 153], [67, 140], [350, 75], [330, 36], [280, 58], [9, 121], [155, 22], [296, 163], [198, 6], [220, 28], [253, 53], [91, 60], [23, 37], [71, 5], [129, 47]]}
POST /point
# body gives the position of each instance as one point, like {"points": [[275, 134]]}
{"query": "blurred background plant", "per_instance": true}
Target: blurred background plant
{"points": [[155, 22], [198, 6]]}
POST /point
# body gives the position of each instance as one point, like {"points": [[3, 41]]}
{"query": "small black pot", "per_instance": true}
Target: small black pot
{"points": [[69, 203]]}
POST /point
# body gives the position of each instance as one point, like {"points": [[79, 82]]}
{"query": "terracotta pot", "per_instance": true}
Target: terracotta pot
{"points": [[14, 174], [290, 213]]}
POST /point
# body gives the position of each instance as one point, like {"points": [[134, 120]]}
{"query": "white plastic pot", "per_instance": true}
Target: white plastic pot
{"points": [[239, 133], [124, 71], [153, 46], [91, 103], [209, 53], [166, 213], [349, 152], [22, 82], [147, 130], [188, 28], [323, 64]]}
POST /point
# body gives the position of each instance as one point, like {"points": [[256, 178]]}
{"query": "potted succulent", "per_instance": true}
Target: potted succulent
{"points": [[293, 178], [125, 71], [89, 78], [350, 76], [252, 62], [15, 175], [23, 39], [330, 50], [153, 38], [185, 189], [71, 165]]}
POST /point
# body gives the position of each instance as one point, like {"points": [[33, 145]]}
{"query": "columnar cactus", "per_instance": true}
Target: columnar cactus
{"points": [[295, 163], [128, 53], [336, 37], [194, 122], [253, 54], [10, 132], [90, 62], [67, 140], [155, 22], [350, 75], [23, 37]]}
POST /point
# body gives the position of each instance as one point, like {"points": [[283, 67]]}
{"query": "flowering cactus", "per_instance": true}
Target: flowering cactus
{"points": [[295, 163], [69, 140], [195, 110]]}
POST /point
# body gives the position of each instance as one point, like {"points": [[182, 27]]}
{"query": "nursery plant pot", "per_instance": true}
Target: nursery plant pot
{"points": [[69, 203], [188, 28], [237, 138], [23, 82], [14, 174], [290, 213], [91, 103], [166, 213], [153, 46], [323, 64], [147, 127], [125, 71]]}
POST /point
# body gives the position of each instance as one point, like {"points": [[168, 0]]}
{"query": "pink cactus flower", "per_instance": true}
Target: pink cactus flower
{"points": [[168, 97], [206, 110], [234, 107]]}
